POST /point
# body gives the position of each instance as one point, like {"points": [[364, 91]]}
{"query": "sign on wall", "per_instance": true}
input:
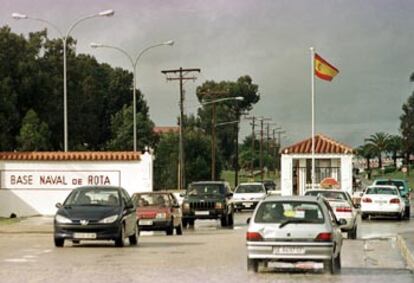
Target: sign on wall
{"points": [[59, 179]]}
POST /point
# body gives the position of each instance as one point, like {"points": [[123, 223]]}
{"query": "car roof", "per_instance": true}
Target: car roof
{"points": [[383, 186], [389, 180], [292, 198], [210, 182], [152, 193], [325, 190], [251, 183], [99, 187]]}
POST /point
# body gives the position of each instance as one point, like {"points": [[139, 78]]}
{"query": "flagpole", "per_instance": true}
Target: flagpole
{"points": [[312, 50]]}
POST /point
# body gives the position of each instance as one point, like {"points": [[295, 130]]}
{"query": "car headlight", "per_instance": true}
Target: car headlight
{"points": [[186, 206], [219, 205], [62, 219], [109, 219], [161, 215]]}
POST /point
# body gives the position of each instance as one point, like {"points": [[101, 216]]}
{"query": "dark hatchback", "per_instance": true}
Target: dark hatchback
{"points": [[96, 213]]}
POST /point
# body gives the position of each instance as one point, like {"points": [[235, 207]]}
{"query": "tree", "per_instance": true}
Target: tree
{"points": [[166, 162], [366, 151], [226, 111], [395, 146], [379, 142], [34, 134], [407, 125]]}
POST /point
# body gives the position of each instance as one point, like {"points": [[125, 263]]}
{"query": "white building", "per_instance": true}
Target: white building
{"points": [[332, 159], [31, 183]]}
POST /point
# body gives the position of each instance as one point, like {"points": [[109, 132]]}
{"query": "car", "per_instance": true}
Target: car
{"points": [[96, 213], [382, 200], [270, 185], [292, 232], [405, 190], [158, 211], [248, 195], [343, 207], [208, 200]]}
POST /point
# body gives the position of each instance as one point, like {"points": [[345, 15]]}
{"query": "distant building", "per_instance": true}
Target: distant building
{"points": [[332, 159], [166, 130]]}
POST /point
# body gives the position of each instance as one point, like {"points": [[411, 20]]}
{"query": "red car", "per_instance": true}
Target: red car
{"points": [[158, 211]]}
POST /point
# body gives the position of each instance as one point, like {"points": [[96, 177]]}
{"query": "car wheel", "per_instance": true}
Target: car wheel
{"points": [[191, 222], [352, 234], [364, 216], [133, 239], [185, 223], [252, 265], [170, 229], [179, 229], [231, 219], [333, 265], [407, 213], [59, 242], [120, 241]]}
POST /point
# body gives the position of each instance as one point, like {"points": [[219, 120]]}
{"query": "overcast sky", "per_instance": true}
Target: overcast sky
{"points": [[370, 42]]}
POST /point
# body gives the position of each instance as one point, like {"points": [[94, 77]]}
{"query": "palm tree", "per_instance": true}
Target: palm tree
{"points": [[366, 151], [395, 146], [379, 143]]}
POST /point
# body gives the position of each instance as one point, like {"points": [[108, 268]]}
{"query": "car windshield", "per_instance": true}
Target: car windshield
{"points": [[249, 189], [96, 196], [206, 189], [381, 191], [142, 200], [327, 194], [289, 211], [398, 184]]}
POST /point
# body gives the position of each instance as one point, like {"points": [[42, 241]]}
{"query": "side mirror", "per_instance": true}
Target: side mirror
{"points": [[129, 205], [229, 195], [58, 205], [342, 222], [248, 220]]}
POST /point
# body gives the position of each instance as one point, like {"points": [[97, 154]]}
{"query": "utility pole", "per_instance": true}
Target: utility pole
{"points": [[212, 95], [182, 76], [253, 124], [279, 133], [262, 119]]}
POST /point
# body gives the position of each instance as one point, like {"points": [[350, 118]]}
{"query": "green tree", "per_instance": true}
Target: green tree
{"points": [[395, 146], [34, 134], [368, 152], [379, 143], [407, 125], [166, 162]]}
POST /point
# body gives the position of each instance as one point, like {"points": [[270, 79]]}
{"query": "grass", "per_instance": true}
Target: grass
{"points": [[7, 221]]}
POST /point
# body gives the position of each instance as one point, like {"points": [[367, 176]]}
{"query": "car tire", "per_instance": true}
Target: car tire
{"points": [[252, 265], [59, 242], [231, 220], [179, 229], [133, 239], [364, 216], [223, 220], [185, 222], [333, 265], [170, 229], [191, 223], [407, 213], [120, 241]]}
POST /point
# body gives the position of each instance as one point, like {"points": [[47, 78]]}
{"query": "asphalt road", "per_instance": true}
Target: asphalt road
{"points": [[207, 253]]}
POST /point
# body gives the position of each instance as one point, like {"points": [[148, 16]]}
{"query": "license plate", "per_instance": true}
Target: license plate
{"points": [[84, 235], [247, 204], [202, 212], [145, 222], [289, 250], [381, 201]]}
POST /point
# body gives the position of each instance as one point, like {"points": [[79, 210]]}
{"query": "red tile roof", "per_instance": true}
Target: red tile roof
{"points": [[73, 155], [323, 145], [164, 130]]}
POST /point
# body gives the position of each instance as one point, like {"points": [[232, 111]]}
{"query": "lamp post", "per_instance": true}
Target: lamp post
{"points": [[64, 37], [213, 130], [134, 67]]}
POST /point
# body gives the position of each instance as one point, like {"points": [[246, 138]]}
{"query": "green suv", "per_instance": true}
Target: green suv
{"points": [[208, 200], [404, 189]]}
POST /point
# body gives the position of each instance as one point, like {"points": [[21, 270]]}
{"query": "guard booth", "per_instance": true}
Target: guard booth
{"points": [[31, 183], [332, 160]]}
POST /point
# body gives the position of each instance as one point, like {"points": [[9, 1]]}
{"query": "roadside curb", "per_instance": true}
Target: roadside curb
{"points": [[405, 251]]}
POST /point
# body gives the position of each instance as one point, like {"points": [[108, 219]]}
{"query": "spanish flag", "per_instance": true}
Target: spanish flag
{"points": [[323, 69]]}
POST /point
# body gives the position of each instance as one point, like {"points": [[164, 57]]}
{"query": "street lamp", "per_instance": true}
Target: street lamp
{"points": [[134, 66], [213, 130], [64, 37]]}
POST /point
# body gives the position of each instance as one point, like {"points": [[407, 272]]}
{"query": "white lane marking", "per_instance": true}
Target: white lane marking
{"points": [[18, 260], [29, 256], [46, 251]]}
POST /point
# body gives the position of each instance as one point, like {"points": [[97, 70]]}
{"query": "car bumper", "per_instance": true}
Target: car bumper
{"points": [[153, 224], [381, 210], [85, 232], [239, 204], [304, 251], [203, 214]]}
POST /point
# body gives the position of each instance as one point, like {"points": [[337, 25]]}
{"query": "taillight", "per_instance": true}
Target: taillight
{"points": [[253, 236], [343, 209], [324, 237], [366, 200], [395, 200]]}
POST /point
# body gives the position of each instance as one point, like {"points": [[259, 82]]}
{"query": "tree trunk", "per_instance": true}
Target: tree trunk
{"points": [[379, 161]]}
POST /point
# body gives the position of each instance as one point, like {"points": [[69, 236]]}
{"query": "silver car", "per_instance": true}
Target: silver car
{"points": [[294, 232]]}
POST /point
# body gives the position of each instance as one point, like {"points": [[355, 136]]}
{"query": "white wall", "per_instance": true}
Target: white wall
{"points": [[34, 187], [286, 181]]}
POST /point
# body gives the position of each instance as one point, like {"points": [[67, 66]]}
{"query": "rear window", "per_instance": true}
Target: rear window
{"points": [[206, 189], [381, 191], [328, 195], [246, 189], [278, 211], [398, 184]]}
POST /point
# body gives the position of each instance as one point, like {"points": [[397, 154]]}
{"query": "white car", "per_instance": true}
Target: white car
{"points": [[343, 207], [248, 195], [382, 200]]}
